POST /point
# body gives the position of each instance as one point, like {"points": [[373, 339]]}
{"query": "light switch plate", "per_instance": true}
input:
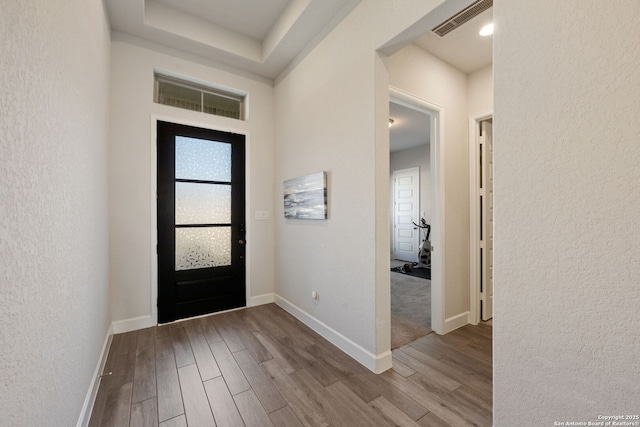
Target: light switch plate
{"points": [[262, 215]]}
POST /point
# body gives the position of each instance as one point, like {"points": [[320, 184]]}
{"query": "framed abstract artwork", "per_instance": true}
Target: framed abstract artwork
{"points": [[305, 197]]}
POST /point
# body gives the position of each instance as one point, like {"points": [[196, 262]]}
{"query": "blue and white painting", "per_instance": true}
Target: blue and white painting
{"points": [[305, 197]]}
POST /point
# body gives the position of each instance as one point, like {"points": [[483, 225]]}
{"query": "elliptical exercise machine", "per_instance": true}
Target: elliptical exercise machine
{"points": [[424, 250]]}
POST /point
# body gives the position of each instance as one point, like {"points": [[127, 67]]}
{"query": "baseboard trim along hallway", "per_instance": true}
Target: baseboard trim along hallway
{"points": [[376, 364], [87, 406]]}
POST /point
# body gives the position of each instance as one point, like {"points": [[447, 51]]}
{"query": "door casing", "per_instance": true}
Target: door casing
{"points": [[144, 322], [474, 216], [436, 114]]}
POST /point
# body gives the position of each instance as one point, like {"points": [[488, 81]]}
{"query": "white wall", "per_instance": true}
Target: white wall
{"points": [[330, 115], [132, 173], [54, 304], [480, 91], [567, 197], [421, 74], [410, 158]]}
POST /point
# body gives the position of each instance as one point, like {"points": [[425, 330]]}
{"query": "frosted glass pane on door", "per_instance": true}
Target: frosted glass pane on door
{"points": [[198, 203], [202, 159], [203, 247]]}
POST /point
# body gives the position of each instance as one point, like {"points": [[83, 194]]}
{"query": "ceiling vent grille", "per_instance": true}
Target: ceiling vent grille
{"points": [[461, 17]]}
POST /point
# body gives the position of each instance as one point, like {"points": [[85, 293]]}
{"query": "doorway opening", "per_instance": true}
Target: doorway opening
{"points": [[410, 188], [415, 301]]}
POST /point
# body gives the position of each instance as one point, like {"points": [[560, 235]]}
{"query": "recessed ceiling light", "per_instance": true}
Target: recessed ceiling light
{"points": [[487, 30]]}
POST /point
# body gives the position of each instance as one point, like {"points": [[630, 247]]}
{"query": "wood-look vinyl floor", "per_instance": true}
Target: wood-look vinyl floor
{"points": [[261, 367]]}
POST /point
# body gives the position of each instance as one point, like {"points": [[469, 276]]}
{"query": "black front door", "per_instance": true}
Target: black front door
{"points": [[201, 217]]}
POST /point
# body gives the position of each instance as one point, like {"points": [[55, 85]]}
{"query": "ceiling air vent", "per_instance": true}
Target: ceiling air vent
{"points": [[461, 17]]}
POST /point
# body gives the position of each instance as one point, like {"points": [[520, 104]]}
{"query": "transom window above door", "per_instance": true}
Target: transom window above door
{"points": [[196, 97]]}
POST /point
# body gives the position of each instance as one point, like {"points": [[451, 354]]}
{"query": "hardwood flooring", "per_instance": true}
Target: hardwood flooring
{"points": [[261, 367]]}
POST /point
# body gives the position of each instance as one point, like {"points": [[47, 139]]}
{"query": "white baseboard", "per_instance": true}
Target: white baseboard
{"points": [[128, 325], [376, 364], [89, 400], [262, 299], [455, 322], [134, 324]]}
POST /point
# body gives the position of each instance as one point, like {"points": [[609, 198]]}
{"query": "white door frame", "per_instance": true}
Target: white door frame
{"points": [[438, 283], [474, 216], [153, 206]]}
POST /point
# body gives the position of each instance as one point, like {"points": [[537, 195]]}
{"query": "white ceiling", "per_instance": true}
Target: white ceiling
{"points": [[463, 47], [264, 36], [410, 128], [258, 36], [247, 17]]}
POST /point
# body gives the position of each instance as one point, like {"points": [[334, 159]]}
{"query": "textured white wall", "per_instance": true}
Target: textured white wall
{"points": [[132, 155], [567, 197], [326, 109], [54, 312], [480, 91], [423, 75]]}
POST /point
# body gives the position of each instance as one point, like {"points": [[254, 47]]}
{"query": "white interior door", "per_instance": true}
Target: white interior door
{"points": [[486, 220], [406, 201]]}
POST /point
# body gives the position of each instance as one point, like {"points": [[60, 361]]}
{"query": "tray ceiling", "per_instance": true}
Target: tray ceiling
{"points": [[261, 37]]}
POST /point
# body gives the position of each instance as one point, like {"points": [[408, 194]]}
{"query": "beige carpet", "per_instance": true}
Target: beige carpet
{"points": [[410, 308]]}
